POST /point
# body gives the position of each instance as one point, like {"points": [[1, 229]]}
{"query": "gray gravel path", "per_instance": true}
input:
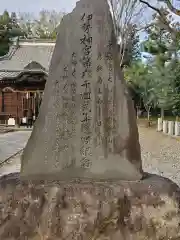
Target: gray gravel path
{"points": [[13, 165], [160, 155], [12, 142]]}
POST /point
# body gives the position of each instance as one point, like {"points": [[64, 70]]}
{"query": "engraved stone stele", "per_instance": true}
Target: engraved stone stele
{"points": [[37, 209], [86, 126]]}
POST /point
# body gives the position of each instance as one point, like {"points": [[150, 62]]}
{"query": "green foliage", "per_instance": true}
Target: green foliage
{"points": [[175, 70], [8, 29], [132, 49], [140, 79], [4, 33], [156, 85], [165, 90], [43, 27], [159, 82], [163, 37]]}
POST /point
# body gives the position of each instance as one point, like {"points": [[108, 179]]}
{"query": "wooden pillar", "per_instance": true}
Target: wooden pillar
{"points": [[2, 106], [1, 100], [22, 101], [34, 103], [17, 109], [37, 103]]}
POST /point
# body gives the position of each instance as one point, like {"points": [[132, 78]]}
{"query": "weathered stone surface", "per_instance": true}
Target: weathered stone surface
{"points": [[141, 210], [87, 126]]}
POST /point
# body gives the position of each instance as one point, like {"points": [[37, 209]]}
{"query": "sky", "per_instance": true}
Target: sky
{"points": [[34, 6]]}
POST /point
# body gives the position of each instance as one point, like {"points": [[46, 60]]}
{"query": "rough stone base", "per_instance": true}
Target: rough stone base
{"points": [[87, 211]]}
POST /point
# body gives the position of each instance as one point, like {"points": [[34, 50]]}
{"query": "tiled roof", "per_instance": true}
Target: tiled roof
{"points": [[27, 53], [13, 74], [14, 63]]}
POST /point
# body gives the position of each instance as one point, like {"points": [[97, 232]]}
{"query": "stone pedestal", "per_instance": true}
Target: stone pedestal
{"points": [[165, 126], [170, 128], [177, 129], [147, 209], [160, 125]]}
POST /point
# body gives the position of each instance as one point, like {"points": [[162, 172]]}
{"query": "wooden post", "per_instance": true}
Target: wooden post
{"points": [[2, 107], [34, 101], [17, 108]]}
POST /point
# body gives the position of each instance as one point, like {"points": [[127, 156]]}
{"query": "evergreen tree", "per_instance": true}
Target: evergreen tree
{"points": [[9, 28]]}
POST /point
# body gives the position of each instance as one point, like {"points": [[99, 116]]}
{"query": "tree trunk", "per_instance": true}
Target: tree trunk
{"points": [[137, 112], [148, 116], [162, 113], [148, 112]]}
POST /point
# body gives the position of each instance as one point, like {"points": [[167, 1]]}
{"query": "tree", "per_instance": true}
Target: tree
{"points": [[126, 15], [43, 27], [48, 23], [26, 23], [174, 68], [132, 49], [9, 28], [140, 78], [4, 36], [171, 7], [165, 21], [165, 90], [160, 44], [155, 84], [14, 21], [157, 43]]}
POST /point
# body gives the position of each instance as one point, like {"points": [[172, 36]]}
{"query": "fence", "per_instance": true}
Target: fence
{"points": [[169, 127]]}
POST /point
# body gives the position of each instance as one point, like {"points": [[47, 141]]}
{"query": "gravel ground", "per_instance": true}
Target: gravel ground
{"points": [[13, 165], [12, 142], [160, 155]]}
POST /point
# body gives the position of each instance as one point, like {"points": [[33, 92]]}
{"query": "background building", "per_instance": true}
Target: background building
{"points": [[23, 74]]}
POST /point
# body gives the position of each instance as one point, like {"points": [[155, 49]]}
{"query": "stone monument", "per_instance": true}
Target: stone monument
{"points": [[81, 175], [86, 126]]}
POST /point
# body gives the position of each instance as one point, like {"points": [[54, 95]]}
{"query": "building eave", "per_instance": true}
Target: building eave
{"points": [[8, 76]]}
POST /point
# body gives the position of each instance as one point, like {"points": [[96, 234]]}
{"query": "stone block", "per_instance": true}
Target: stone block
{"points": [[170, 128], [165, 126], [177, 129], [140, 210], [160, 125]]}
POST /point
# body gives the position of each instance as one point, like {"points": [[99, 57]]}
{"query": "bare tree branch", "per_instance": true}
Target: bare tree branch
{"points": [[125, 13], [162, 18], [152, 7], [165, 24]]}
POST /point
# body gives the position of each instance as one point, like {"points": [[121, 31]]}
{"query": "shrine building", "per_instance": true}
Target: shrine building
{"points": [[23, 74]]}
